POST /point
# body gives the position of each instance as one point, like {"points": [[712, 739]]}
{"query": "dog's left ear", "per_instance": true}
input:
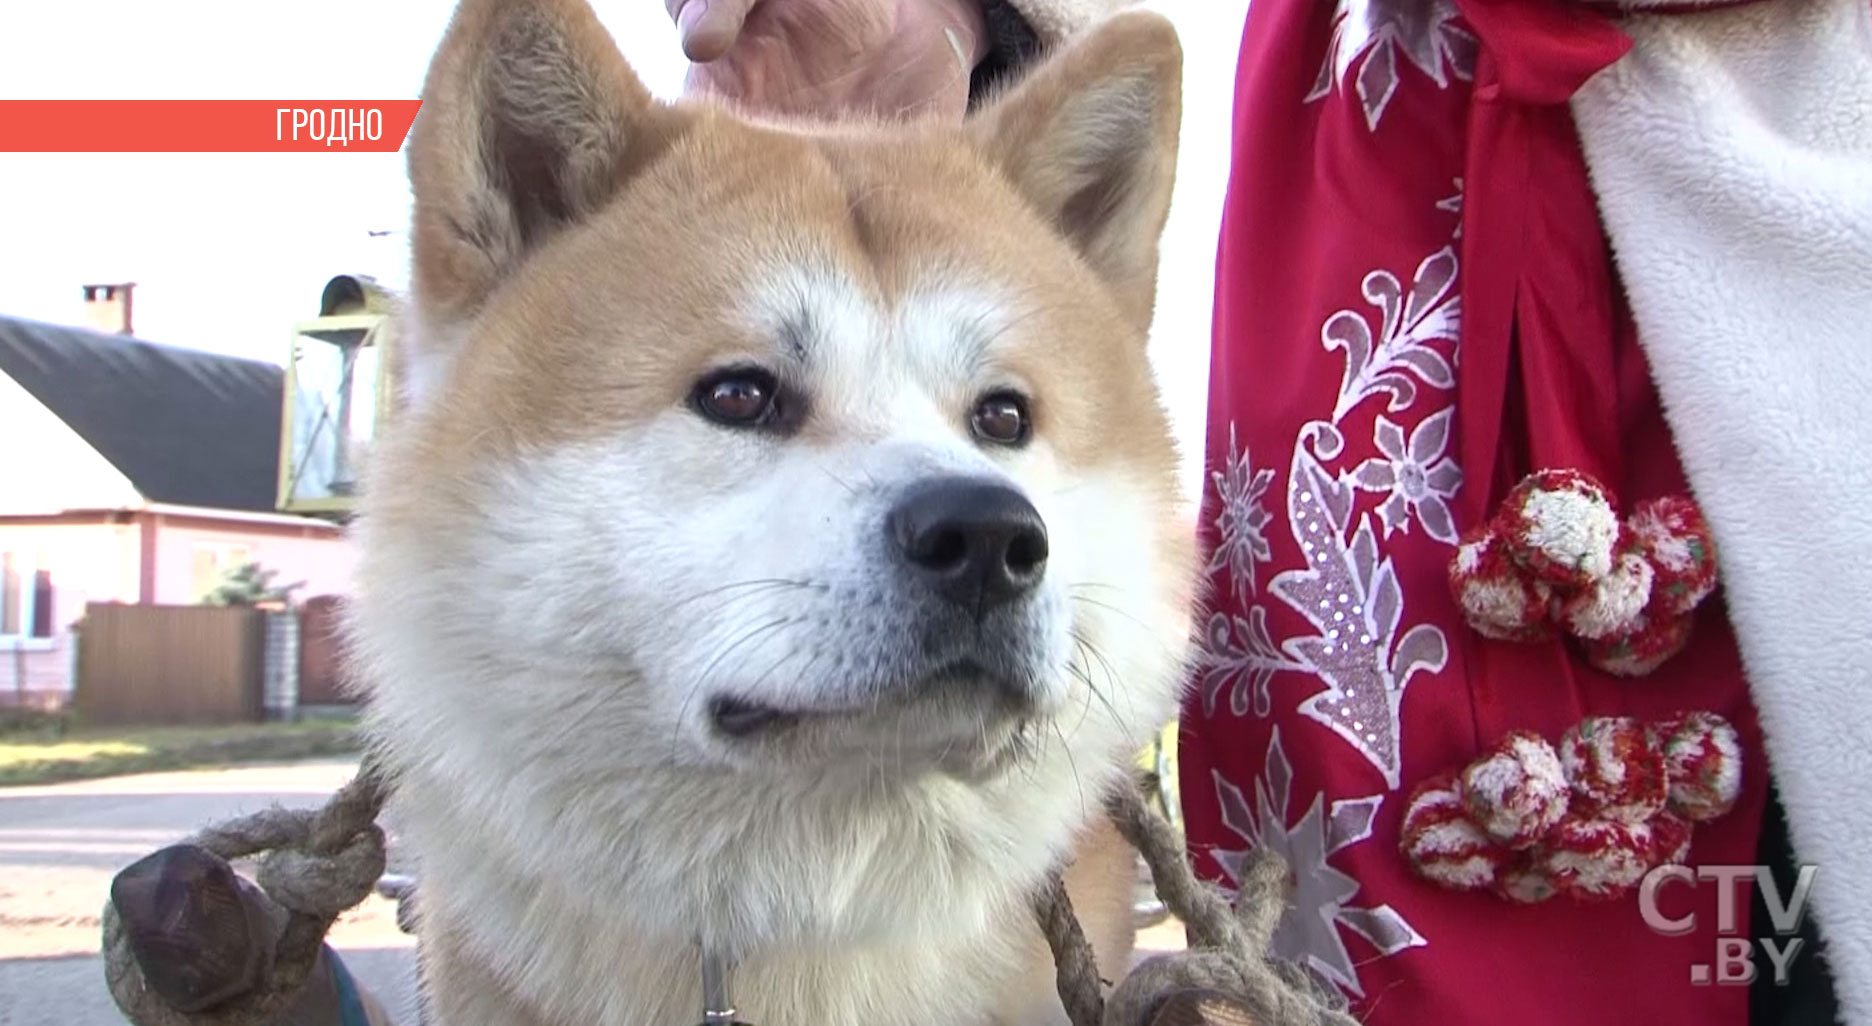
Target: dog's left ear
{"points": [[1090, 139]]}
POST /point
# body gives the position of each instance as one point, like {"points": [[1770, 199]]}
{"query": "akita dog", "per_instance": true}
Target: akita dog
{"points": [[778, 550]]}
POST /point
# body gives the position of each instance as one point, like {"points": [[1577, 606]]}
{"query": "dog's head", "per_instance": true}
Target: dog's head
{"points": [[767, 447]]}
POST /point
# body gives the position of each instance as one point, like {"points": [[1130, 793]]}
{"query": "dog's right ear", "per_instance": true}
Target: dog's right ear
{"points": [[1090, 139], [531, 120]]}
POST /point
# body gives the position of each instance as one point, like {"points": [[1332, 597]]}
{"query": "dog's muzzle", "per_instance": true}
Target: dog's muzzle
{"points": [[964, 558]]}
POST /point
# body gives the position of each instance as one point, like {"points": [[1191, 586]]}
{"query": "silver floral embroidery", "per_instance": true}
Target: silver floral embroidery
{"points": [[1308, 934], [1240, 651], [1240, 655], [1423, 32], [1416, 473], [1401, 354], [1241, 520], [1349, 592]]}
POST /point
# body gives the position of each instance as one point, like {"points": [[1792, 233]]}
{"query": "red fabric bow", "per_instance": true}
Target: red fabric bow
{"points": [[1529, 215]]}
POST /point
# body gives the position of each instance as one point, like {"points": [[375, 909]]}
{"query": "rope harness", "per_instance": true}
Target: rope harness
{"points": [[319, 863]]}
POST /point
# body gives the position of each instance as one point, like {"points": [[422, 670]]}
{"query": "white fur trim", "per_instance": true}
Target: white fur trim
{"points": [[1732, 154], [1055, 21]]}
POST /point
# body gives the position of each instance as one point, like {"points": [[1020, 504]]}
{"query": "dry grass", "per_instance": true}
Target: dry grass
{"points": [[51, 753]]}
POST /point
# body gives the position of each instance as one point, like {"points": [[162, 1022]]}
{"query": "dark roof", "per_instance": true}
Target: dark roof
{"points": [[187, 428]]}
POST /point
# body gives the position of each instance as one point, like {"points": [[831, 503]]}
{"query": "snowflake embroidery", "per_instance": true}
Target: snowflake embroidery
{"points": [[1309, 931], [1350, 594], [1424, 32], [1241, 521], [1418, 476], [1401, 354]]}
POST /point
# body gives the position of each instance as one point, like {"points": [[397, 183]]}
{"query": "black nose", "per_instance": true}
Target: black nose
{"points": [[978, 543]]}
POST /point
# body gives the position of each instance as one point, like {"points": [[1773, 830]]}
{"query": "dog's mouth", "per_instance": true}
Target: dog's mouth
{"points": [[739, 718], [963, 682]]}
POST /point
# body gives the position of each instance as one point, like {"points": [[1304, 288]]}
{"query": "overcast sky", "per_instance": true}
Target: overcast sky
{"points": [[227, 250]]}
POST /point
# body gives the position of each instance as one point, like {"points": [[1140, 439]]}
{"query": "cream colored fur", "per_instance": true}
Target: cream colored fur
{"points": [[564, 562]]}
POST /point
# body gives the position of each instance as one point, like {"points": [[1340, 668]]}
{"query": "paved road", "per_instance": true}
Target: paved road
{"points": [[59, 847]]}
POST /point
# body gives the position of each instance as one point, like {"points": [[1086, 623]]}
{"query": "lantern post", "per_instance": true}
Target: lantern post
{"points": [[338, 390]]}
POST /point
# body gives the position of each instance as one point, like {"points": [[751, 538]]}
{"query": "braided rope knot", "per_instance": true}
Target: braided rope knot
{"points": [[322, 886], [318, 864], [1229, 945]]}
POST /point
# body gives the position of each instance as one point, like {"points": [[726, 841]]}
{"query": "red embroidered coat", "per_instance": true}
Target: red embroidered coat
{"points": [[1416, 307], [1412, 269]]}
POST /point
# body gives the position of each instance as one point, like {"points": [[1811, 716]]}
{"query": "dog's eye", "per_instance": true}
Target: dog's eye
{"points": [[1001, 418], [743, 397]]}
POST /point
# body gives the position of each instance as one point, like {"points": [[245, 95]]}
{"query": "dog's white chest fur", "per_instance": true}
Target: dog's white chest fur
{"points": [[917, 918]]}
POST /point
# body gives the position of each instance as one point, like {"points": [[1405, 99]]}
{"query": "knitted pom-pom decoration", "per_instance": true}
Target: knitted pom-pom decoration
{"points": [[1616, 768], [1596, 859], [1676, 542], [1560, 526], [1524, 880], [1650, 646], [1614, 604], [1670, 839], [1497, 598], [1516, 792], [1440, 842], [1703, 763]]}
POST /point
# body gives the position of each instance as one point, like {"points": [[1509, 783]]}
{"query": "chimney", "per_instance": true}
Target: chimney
{"points": [[107, 307]]}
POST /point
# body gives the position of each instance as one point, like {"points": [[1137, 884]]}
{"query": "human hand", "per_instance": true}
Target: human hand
{"points": [[831, 57]]}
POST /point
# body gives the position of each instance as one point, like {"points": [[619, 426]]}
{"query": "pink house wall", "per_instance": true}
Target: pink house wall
{"points": [[324, 562], [94, 560]]}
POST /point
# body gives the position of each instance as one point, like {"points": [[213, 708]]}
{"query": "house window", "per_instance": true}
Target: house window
{"points": [[25, 597]]}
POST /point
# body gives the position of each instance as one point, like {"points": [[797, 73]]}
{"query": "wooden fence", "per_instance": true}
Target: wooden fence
{"points": [[322, 652], [170, 664]]}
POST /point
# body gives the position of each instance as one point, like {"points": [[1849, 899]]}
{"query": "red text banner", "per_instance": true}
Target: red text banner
{"points": [[205, 126]]}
